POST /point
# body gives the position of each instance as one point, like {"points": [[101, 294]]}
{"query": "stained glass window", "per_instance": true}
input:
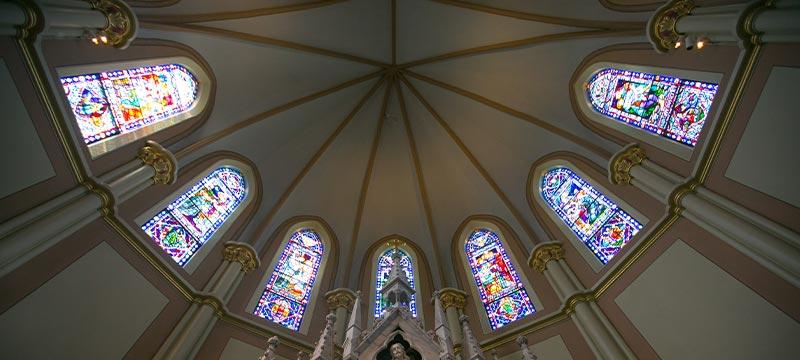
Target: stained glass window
{"points": [[190, 220], [595, 219], [500, 288], [115, 102], [664, 105], [288, 290], [385, 263]]}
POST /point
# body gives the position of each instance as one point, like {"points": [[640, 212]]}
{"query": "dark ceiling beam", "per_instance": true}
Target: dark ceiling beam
{"points": [[476, 164], [365, 181], [556, 20], [271, 112], [594, 148], [394, 32], [423, 191], [536, 40], [263, 40], [231, 15]]}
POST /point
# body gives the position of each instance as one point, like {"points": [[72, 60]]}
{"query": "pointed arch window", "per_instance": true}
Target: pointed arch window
{"points": [[384, 266], [189, 221], [594, 218], [668, 106], [289, 289], [500, 288]]}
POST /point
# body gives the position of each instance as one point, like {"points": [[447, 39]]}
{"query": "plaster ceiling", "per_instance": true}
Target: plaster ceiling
{"points": [[348, 156]]}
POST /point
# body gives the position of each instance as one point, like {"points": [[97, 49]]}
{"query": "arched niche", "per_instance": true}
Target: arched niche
{"points": [[515, 252], [272, 257]]}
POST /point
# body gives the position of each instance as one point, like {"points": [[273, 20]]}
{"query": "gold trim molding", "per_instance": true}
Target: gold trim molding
{"points": [[162, 161], [544, 253], [661, 29], [241, 253], [621, 164], [339, 298], [451, 297], [121, 23]]}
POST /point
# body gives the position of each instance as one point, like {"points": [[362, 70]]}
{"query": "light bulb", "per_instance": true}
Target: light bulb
{"points": [[95, 41], [702, 42], [104, 39], [679, 43]]}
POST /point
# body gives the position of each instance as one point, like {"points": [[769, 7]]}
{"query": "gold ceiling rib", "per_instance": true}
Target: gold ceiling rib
{"points": [[231, 15], [522, 42], [474, 160], [426, 203], [362, 196], [313, 160], [515, 113], [271, 112], [262, 40], [544, 18]]}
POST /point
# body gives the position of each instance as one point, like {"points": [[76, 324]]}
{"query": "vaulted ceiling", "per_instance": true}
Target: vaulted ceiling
{"points": [[393, 116]]}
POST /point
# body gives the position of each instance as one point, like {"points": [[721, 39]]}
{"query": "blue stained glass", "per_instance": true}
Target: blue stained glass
{"points": [[288, 290], [191, 219], [500, 288], [385, 263], [595, 219]]}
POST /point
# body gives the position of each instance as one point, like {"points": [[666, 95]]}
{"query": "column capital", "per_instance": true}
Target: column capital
{"points": [[162, 161], [452, 297], [621, 163], [242, 253], [121, 22], [341, 297], [662, 27], [544, 253]]}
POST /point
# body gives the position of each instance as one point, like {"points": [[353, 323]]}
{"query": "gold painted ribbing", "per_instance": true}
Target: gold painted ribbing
{"points": [[241, 14], [426, 203], [515, 113], [544, 18], [475, 163], [505, 45], [368, 170], [262, 40], [271, 112]]}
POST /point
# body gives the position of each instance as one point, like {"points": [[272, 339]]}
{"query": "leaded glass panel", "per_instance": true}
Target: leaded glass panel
{"points": [[385, 264]]}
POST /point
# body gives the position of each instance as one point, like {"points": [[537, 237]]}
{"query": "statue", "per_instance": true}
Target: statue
{"points": [[398, 352]]}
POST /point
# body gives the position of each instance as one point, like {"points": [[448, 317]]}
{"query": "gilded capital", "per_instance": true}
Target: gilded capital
{"points": [[542, 254], [622, 163], [162, 161], [121, 22], [662, 27], [341, 297], [452, 298], [243, 254]]}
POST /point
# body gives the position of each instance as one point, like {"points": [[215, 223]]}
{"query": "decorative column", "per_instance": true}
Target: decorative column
{"points": [[442, 330], [340, 301], [103, 22], [682, 24], [185, 340], [36, 230], [353, 335], [471, 350], [602, 337], [768, 243], [453, 301], [325, 349]]}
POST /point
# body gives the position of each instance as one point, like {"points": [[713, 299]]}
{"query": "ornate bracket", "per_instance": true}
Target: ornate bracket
{"points": [[340, 298], [542, 254], [662, 27], [622, 163], [451, 297], [243, 254], [162, 161], [121, 22]]}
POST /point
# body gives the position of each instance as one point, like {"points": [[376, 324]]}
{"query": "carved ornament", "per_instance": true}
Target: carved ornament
{"points": [[662, 27], [452, 298], [121, 23], [622, 163], [544, 253], [340, 298], [162, 161], [243, 254]]}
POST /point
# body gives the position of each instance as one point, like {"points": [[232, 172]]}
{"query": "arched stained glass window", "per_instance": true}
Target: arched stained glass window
{"points": [[500, 288], [595, 219], [288, 290], [115, 102], [189, 221], [664, 105], [385, 263]]}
